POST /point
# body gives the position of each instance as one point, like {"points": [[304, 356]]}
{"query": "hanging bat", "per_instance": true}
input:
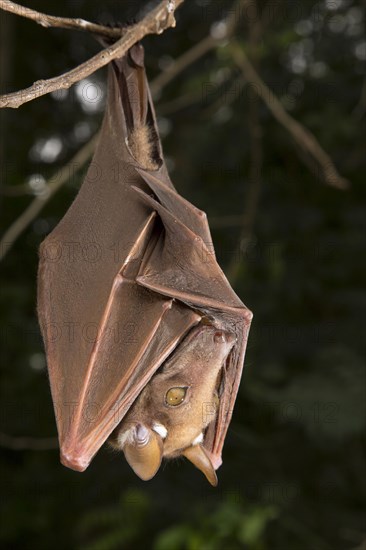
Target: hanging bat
{"points": [[144, 337]]}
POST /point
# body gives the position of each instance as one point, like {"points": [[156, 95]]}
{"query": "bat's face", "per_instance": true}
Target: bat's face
{"points": [[170, 415]]}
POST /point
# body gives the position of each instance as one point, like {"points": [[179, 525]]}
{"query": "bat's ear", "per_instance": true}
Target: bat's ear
{"points": [[198, 456], [144, 452]]}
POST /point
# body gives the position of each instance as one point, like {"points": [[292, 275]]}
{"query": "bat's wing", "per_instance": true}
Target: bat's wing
{"points": [[105, 335], [123, 278], [183, 266]]}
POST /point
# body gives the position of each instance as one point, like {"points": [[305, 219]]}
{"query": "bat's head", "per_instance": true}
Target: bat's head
{"points": [[169, 417]]}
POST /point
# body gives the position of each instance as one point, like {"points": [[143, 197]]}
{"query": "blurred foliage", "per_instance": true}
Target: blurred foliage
{"points": [[231, 525], [293, 476]]}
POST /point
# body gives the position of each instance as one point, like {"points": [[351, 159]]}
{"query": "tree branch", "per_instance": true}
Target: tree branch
{"points": [[28, 443], [60, 22], [300, 134], [155, 22], [229, 24], [52, 186], [180, 64], [63, 175], [38, 203], [186, 59]]}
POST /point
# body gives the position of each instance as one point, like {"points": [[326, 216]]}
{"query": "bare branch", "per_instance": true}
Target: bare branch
{"points": [[16, 190], [155, 22], [180, 64], [207, 44], [28, 443], [180, 102], [303, 137], [230, 95], [53, 185], [189, 57], [60, 22]]}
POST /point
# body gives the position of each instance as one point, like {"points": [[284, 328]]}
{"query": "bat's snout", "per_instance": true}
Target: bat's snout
{"points": [[145, 452]]}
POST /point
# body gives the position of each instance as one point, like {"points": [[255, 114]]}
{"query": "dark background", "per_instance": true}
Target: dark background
{"points": [[293, 476]]}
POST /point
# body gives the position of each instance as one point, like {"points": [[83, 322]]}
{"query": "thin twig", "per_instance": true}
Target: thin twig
{"points": [[229, 95], [61, 177], [301, 135], [180, 102], [28, 443], [192, 55], [180, 64], [60, 22], [189, 57], [256, 28], [155, 22], [229, 26], [52, 186], [190, 98], [16, 190]]}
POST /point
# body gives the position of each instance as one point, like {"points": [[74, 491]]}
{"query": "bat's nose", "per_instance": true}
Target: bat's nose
{"points": [[141, 435]]}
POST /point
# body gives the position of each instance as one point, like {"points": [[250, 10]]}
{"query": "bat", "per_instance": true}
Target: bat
{"points": [[144, 336]]}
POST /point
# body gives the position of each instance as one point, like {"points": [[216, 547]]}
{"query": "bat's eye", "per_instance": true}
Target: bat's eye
{"points": [[175, 396]]}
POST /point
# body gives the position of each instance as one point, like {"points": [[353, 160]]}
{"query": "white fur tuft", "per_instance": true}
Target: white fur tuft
{"points": [[198, 439], [160, 429], [125, 437]]}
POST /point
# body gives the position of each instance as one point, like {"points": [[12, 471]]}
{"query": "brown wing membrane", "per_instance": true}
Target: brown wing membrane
{"points": [[105, 336], [182, 256], [124, 277]]}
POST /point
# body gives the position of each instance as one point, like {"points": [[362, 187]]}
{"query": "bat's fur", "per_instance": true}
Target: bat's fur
{"points": [[194, 366], [142, 146]]}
